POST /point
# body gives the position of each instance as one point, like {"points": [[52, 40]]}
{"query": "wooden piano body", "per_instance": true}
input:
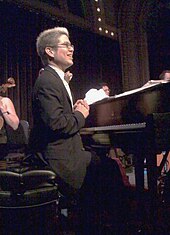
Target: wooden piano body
{"points": [[137, 121], [130, 107]]}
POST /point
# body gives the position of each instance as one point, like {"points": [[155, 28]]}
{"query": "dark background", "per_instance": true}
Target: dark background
{"points": [[96, 58]]}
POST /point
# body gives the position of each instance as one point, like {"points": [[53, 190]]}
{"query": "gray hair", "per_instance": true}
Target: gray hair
{"points": [[49, 38]]}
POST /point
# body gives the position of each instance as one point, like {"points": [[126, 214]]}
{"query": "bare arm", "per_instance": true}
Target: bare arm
{"points": [[9, 113]]}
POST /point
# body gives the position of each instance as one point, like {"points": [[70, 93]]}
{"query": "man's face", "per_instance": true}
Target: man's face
{"points": [[106, 90], [167, 76], [63, 53]]}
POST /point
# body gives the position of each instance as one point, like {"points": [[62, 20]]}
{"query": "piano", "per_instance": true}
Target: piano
{"points": [[137, 121], [130, 107]]}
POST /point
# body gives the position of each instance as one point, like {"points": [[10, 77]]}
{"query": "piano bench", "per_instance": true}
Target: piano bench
{"points": [[28, 198]]}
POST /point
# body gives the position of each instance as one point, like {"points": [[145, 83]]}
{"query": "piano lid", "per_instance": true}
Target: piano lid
{"points": [[130, 107], [148, 85]]}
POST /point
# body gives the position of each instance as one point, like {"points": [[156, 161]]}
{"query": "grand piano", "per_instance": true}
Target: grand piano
{"points": [[138, 121]]}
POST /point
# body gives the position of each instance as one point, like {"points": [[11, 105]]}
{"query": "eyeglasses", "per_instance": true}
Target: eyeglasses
{"points": [[66, 45]]}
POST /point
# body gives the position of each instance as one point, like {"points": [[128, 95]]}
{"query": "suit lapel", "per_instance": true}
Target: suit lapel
{"points": [[51, 70]]}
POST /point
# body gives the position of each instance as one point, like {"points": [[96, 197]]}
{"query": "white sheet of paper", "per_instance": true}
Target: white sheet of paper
{"points": [[94, 95]]}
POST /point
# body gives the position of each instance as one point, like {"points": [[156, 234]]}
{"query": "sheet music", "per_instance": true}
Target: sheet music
{"points": [[94, 95]]}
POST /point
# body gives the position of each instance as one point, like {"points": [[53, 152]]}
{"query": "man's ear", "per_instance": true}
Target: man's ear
{"points": [[49, 51]]}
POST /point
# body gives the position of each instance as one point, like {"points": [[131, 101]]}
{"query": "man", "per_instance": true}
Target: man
{"points": [[165, 75], [105, 87], [55, 132]]}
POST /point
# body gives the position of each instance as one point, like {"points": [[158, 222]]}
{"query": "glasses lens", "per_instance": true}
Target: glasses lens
{"points": [[67, 45]]}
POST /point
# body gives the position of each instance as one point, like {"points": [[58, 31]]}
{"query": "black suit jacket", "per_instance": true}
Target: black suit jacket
{"points": [[56, 127]]}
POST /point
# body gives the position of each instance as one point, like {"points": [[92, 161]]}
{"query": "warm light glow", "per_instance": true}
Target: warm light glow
{"points": [[100, 20]]}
